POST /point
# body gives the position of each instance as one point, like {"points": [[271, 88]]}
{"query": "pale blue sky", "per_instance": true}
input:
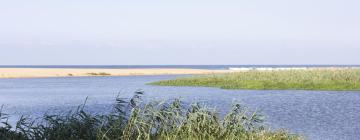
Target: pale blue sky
{"points": [[65, 32]]}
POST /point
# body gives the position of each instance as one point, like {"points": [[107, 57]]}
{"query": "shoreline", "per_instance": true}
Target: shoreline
{"points": [[78, 72], [82, 72]]}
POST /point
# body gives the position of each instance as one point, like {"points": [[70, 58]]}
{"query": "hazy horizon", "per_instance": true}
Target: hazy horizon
{"points": [[279, 32]]}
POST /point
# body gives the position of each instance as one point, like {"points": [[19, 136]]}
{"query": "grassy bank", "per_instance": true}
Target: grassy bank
{"points": [[155, 120], [321, 79]]}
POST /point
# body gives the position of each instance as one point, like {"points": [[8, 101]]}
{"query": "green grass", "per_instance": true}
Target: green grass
{"points": [[99, 74], [325, 79], [134, 120]]}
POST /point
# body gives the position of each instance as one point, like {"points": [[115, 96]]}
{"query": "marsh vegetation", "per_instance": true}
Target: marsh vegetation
{"points": [[133, 119], [322, 79]]}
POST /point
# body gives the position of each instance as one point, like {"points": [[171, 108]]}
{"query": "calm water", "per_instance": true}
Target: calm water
{"points": [[315, 114]]}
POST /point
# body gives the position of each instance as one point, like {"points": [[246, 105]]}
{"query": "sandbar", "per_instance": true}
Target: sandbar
{"points": [[70, 72]]}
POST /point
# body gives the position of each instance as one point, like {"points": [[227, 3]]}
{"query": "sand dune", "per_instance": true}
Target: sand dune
{"points": [[67, 72]]}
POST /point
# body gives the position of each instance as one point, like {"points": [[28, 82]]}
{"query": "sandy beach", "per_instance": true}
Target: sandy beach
{"points": [[68, 72]]}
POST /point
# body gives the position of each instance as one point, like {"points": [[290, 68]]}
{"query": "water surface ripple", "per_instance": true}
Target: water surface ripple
{"points": [[319, 115]]}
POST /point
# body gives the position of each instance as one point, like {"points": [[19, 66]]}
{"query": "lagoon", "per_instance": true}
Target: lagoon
{"points": [[314, 114]]}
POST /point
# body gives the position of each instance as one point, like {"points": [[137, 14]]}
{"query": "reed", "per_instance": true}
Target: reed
{"points": [[171, 120], [320, 79]]}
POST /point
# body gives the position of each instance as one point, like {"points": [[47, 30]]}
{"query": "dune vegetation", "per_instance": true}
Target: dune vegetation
{"points": [[315, 79], [99, 74], [136, 120]]}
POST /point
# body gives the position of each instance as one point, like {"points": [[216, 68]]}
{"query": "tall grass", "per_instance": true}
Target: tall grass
{"points": [[170, 120], [322, 79]]}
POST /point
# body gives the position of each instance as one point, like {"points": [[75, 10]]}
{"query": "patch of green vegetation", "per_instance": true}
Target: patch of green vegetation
{"points": [[99, 74], [326, 79], [134, 120]]}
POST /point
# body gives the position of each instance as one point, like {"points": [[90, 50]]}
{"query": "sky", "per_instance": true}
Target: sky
{"points": [[179, 32]]}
